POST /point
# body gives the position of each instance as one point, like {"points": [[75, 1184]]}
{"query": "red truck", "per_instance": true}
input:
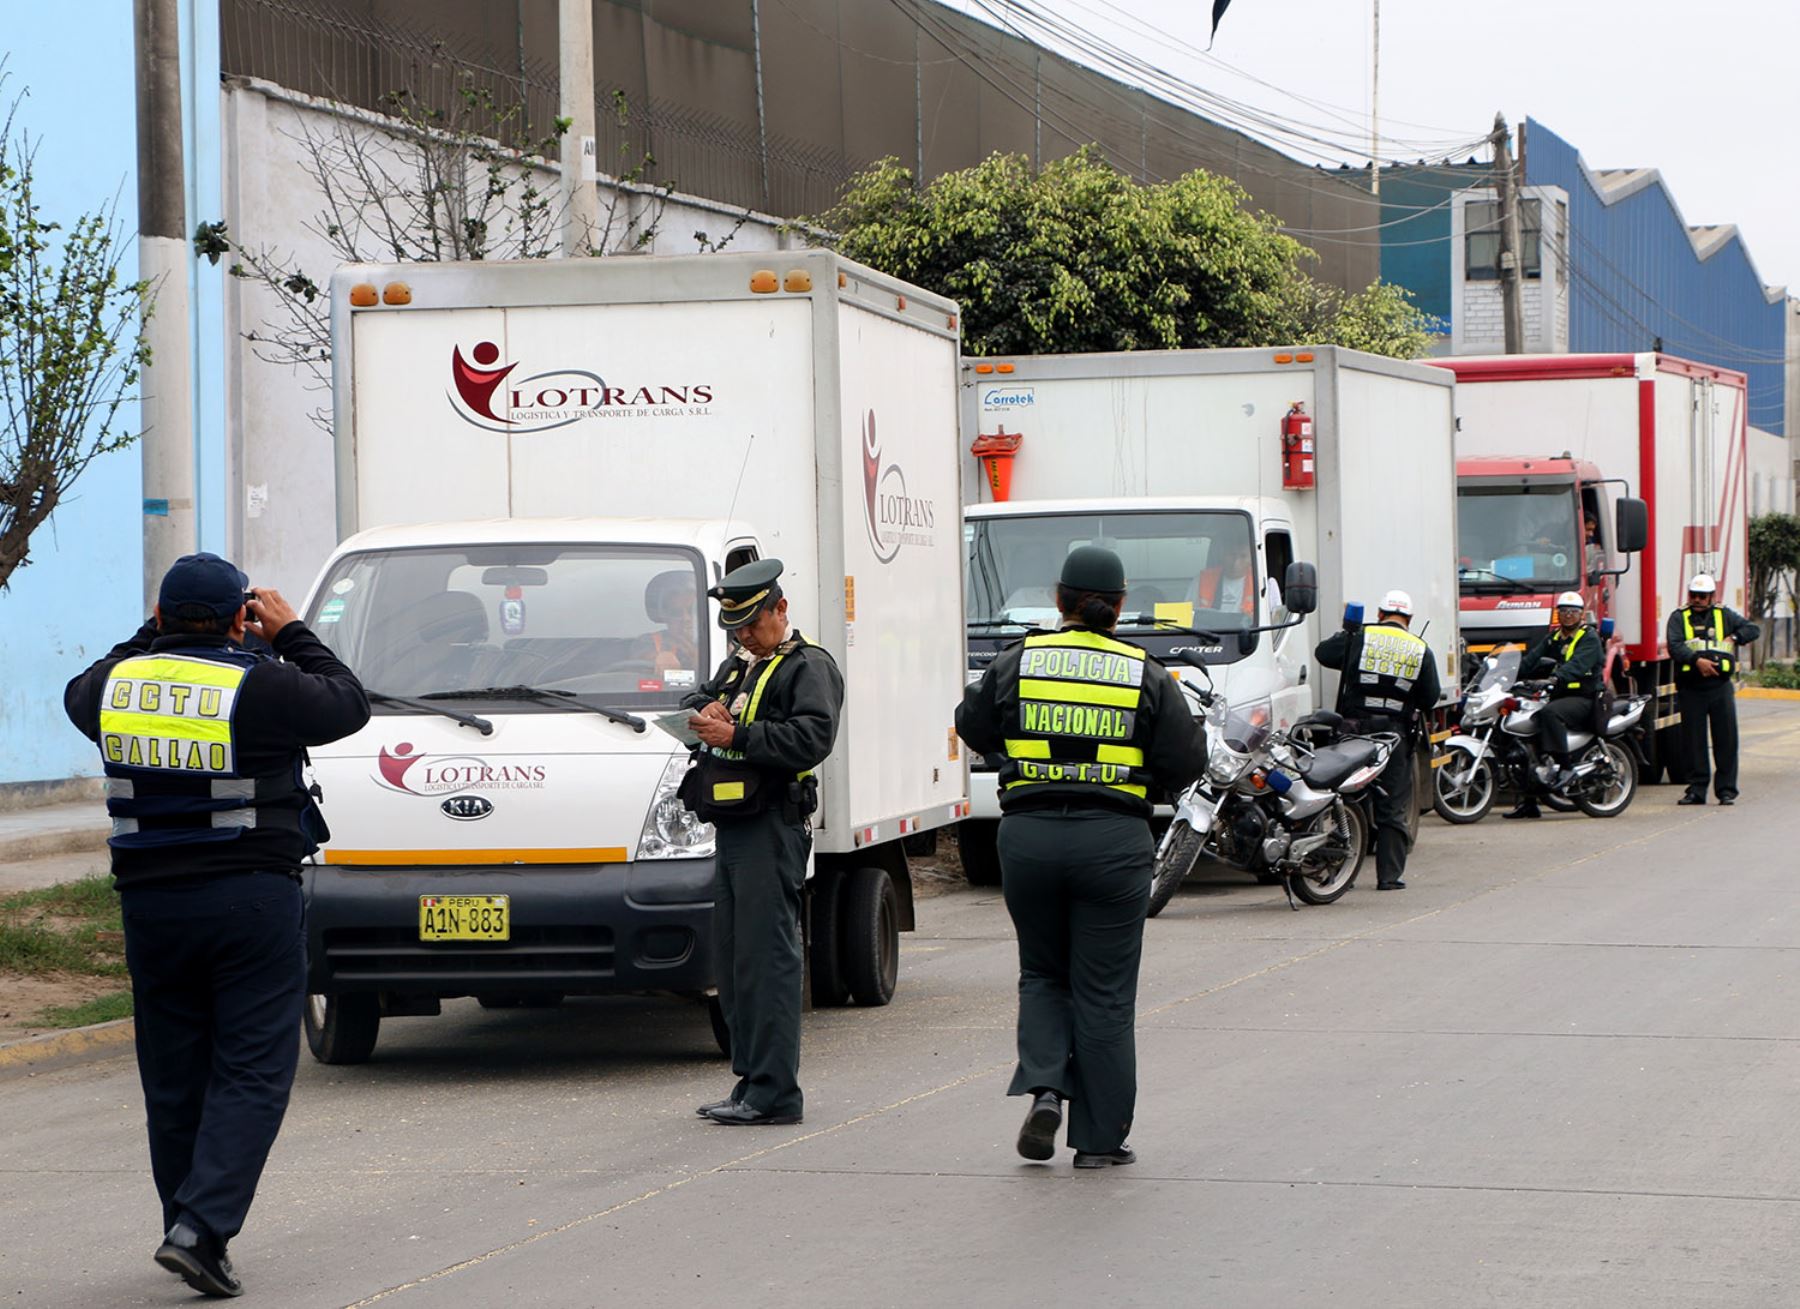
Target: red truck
{"points": [[1649, 449]]}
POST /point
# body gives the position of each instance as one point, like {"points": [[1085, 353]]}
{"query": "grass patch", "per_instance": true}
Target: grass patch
{"points": [[1780, 677], [101, 1009], [73, 927]]}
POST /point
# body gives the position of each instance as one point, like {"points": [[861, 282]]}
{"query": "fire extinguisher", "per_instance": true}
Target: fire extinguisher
{"points": [[1297, 449]]}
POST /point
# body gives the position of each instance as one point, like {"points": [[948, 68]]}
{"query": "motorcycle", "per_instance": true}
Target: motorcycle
{"points": [[1496, 747], [1293, 806]]}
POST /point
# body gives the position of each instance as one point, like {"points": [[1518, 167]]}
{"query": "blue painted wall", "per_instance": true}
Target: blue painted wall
{"points": [[1415, 228], [1635, 276], [81, 592]]}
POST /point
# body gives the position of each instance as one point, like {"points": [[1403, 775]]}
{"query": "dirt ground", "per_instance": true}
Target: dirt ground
{"points": [[22, 999]]}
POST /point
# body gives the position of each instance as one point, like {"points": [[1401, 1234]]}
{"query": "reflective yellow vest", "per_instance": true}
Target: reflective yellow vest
{"points": [[747, 707], [1718, 649], [1078, 700], [1569, 653]]}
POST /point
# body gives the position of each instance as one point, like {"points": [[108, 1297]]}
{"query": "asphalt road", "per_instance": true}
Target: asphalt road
{"points": [[1561, 1069]]}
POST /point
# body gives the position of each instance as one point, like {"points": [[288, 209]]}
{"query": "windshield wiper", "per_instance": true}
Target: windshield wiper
{"points": [[456, 716], [542, 695], [1168, 625], [1515, 586], [1004, 622]]}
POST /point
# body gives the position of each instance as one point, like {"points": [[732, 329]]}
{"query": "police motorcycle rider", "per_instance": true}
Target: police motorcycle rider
{"points": [[1389, 681], [1703, 638], [1085, 724], [203, 743], [1570, 655]]}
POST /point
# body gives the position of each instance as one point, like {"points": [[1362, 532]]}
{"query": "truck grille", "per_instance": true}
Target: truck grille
{"points": [[394, 956]]}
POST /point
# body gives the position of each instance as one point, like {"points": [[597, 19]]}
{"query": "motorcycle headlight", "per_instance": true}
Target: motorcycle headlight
{"points": [[670, 829], [1226, 765]]}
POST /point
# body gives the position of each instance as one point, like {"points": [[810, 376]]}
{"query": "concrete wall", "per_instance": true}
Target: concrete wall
{"points": [[279, 459], [80, 592], [1478, 316]]}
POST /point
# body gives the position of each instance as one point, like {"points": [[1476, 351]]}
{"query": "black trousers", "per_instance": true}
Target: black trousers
{"points": [[218, 975], [1394, 806], [1077, 883], [1710, 705], [757, 955], [1561, 716]]}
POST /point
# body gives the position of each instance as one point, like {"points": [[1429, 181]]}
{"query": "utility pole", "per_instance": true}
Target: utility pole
{"points": [[167, 447], [1375, 112], [1506, 183], [580, 159]]}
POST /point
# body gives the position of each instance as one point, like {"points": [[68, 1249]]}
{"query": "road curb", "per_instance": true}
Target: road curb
{"points": [[76, 1045], [50, 844], [1767, 693]]}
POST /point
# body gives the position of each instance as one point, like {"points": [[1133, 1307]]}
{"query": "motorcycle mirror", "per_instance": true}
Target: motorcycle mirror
{"points": [[1300, 589]]}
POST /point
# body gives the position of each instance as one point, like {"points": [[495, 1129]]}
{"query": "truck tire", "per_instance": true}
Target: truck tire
{"points": [[342, 1029], [715, 1013], [825, 946], [870, 923], [978, 841]]}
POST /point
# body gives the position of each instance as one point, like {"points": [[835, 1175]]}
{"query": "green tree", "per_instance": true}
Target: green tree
{"points": [[1078, 257], [71, 348], [1774, 565]]}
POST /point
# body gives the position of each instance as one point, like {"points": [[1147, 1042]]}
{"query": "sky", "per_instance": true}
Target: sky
{"points": [[1704, 93]]}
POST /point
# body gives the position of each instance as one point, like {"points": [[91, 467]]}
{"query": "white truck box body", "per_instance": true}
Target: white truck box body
{"points": [[1207, 423], [633, 388], [1675, 431]]}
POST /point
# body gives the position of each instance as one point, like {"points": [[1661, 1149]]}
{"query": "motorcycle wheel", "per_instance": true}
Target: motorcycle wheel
{"points": [[1615, 798], [1176, 861], [1463, 788], [1328, 883]]}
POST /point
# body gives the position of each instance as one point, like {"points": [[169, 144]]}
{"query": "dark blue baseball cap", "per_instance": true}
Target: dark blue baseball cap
{"points": [[203, 579]]}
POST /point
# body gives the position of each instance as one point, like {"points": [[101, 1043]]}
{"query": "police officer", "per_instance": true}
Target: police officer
{"points": [[767, 718], [203, 744], [1086, 724], [1571, 654], [1703, 638], [1389, 679]]}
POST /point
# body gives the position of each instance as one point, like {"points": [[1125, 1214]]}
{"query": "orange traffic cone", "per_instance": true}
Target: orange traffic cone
{"points": [[996, 451]]}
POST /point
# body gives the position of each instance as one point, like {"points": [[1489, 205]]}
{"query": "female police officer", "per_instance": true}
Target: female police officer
{"points": [[1085, 724]]}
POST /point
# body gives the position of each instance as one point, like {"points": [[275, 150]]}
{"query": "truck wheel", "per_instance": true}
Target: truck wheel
{"points": [[825, 959], [978, 841], [721, 1033], [341, 1029], [871, 935]]}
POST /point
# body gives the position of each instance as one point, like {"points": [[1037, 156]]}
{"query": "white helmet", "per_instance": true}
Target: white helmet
{"points": [[1570, 600], [1397, 602], [1702, 584]]}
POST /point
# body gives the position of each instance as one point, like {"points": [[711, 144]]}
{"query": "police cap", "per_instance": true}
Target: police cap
{"points": [[203, 580], [745, 592], [1093, 568]]}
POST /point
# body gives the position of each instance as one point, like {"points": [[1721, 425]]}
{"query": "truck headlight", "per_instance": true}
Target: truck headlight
{"points": [[670, 829]]}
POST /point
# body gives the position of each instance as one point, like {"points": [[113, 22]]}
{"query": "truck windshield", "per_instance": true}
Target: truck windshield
{"points": [[1192, 567], [611, 624], [1515, 538]]}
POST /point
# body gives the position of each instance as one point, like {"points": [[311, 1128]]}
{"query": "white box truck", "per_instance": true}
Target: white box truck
{"points": [[1655, 450], [1209, 471], [541, 468]]}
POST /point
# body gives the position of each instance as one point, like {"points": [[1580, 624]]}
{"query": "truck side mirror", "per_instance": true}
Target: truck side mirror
{"points": [[1300, 591], [1631, 525]]}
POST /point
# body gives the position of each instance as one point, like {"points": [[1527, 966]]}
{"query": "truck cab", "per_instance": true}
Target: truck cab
{"points": [[1530, 528]]}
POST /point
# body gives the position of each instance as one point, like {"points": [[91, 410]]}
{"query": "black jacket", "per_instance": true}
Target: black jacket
{"points": [[1343, 649], [797, 719], [307, 697], [1738, 630], [1582, 665], [1174, 745]]}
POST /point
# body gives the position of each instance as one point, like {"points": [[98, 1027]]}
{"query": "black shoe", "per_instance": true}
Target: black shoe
{"points": [[742, 1115], [1107, 1159], [200, 1261], [1037, 1138], [705, 1110], [1691, 798], [1524, 809], [1728, 797], [1395, 885]]}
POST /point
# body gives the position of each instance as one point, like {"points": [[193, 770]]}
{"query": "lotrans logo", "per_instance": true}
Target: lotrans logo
{"points": [[486, 395], [893, 518], [401, 770]]}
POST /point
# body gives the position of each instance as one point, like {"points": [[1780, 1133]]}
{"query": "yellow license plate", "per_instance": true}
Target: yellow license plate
{"points": [[465, 918]]}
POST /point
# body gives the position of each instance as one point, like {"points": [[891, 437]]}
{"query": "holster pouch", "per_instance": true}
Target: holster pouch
{"points": [[715, 788], [802, 799]]}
